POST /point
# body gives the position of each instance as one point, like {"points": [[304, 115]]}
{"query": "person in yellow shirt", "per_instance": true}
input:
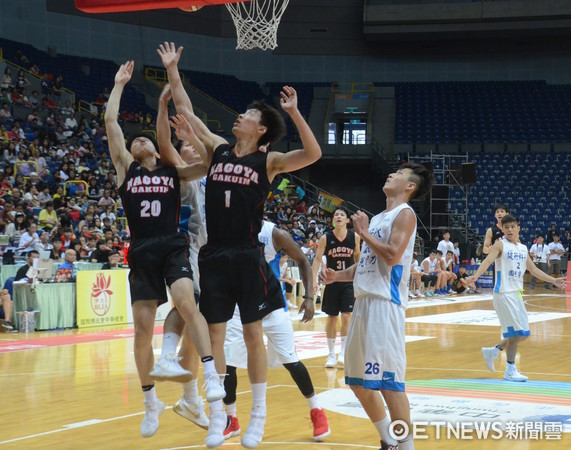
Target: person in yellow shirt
{"points": [[47, 218]]}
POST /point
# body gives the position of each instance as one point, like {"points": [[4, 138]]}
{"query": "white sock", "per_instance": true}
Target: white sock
{"points": [[209, 368], [216, 407], [170, 341], [150, 395], [259, 398], [406, 444], [382, 427], [230, 409], [312, 401], [191, 391], [331, 345], [343, 343]]}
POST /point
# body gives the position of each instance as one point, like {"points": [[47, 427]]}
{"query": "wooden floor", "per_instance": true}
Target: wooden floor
{"points": [[79, 389]]}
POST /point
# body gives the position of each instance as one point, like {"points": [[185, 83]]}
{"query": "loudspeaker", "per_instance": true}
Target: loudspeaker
{"points": [[468, 171]]}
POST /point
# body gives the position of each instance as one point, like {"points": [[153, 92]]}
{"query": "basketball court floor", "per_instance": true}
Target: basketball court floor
{"points": [[79, 389]]}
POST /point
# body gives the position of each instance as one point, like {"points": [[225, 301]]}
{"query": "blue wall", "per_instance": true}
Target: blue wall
{"points": [[28, 21]]}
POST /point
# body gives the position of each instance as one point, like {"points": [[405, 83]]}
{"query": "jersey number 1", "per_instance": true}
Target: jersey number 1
{"points": [[227, 198], [154, 207]]}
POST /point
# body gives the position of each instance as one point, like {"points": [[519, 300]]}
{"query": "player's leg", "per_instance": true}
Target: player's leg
{"points": [[347, 301], [258, 373], [167, 367], [231, 386], [191, 404], [330, 307], [345, 320], [281, 343], [144, 322], [8, 306], [399, 408]]}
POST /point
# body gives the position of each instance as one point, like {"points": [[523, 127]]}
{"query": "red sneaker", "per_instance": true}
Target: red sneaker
{"points": [[320, 426], [233, 428]]}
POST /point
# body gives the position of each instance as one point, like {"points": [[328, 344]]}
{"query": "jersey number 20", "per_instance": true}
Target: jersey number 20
{"points": [[149, 209]]}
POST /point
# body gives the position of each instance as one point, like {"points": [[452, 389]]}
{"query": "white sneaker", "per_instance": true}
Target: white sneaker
{"points": [[192, 411], [290, 305], [255, 432], [213, 388], [512, 374], [341, 360], [216, 426], [490, 354], [167, 368], [331, 361], [150, 423]]}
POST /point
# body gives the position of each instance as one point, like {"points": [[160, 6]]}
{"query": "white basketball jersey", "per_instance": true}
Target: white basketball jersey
{"points": [[431, 264], [374, 277], [265, 237], [510, 267], [193, 195]]}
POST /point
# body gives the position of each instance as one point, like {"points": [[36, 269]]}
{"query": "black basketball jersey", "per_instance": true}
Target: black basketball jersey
{"points": [[496, 234], [151, 200], [340, 253], [236, 189]]}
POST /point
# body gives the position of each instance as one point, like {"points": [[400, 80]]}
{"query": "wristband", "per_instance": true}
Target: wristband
{"points": [[308, 297]]}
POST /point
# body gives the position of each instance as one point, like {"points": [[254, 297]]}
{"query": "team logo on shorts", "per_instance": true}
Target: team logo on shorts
{"points": [[101, 295]]}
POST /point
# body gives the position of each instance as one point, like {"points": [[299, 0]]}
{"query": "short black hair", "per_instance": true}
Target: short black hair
{"points": [[422, 176], [341, 208], [462, 266], [272, 120], [509, 219], [144, 134], [503, 206], [438, 252], [538, 236], [33, 252]]}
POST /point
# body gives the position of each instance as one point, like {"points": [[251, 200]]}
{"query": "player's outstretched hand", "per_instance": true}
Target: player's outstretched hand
{"points": [[124, 73], [169, 54], [360, 222], [327, 276], [182, 128], [308, 309], [288, 99], [560, 283], [166, 94]]}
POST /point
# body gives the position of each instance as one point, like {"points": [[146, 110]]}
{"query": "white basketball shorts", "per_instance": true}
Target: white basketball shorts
{"points": [[375, 356], [278, 329], [512, 314]]}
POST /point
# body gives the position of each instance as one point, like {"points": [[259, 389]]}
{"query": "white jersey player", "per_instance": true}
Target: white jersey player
{"points": [[279, 330], [511, 261], [376, 359]]}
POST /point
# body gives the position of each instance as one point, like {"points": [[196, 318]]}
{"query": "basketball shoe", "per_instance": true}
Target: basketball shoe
{"points": [[331, 361], [150, 423], [167, 368], [217, 422], [512, 374], [490, 354], [320, 426], [192, 411], [255, 432], [213, 388], [341, 360], [232, 428]]}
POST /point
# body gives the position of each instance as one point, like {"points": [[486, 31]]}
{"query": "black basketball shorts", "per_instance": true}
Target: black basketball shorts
{"points": [[338, 297], [156, 261], [237, 275]]}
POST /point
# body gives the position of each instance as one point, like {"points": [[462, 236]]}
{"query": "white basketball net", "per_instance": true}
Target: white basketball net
{"points": [[257, 22]]}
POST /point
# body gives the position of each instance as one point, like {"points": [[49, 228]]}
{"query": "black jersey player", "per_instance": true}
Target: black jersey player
{"points": [[158, 253], [232, 265], [341, 248]]}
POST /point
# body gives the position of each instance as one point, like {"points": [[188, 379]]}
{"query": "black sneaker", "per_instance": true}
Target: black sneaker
{"points": [[7, 325]]}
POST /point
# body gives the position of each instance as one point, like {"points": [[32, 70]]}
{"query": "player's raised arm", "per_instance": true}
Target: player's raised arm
{"points": [[283, 240], [185, 132], [296, 159], [169, 155], [170, 57], [119, 155]]}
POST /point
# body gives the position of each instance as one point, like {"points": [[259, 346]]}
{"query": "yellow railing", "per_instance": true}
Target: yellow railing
{"points": [[159, 75], [90, 108]]}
